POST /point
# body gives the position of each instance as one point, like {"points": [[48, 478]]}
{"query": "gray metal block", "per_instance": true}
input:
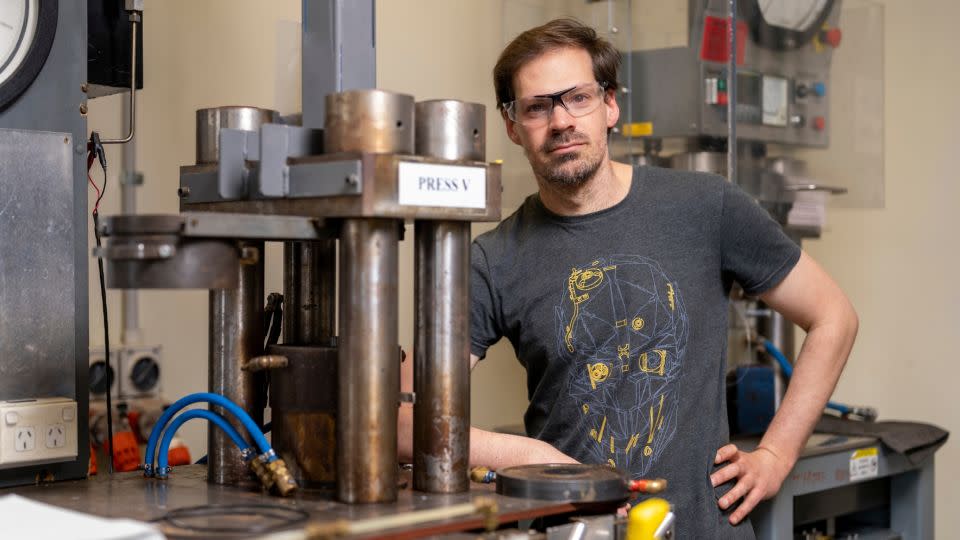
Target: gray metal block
{"points": [[236, 148], [277, 143], [37, 269], [326, 179]]}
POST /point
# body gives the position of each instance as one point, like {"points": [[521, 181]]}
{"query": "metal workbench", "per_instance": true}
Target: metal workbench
{"points": [[130, 495], [894, 494]]}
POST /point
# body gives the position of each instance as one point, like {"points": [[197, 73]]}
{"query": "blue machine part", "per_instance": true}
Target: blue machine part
{"points": [[756, 399]]}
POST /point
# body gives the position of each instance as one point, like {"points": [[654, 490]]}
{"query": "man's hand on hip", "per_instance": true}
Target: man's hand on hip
{"points": [[759, 475]]}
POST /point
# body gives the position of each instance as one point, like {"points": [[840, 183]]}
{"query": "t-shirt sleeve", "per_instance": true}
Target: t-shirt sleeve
{"points": [[755, 252], [485, 327]]}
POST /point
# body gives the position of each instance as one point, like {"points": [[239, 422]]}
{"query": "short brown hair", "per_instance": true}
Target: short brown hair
{"points": [[556, 34]]}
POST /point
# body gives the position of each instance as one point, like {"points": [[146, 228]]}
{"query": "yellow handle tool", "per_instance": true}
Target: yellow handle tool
{"points": [[650, 520]]}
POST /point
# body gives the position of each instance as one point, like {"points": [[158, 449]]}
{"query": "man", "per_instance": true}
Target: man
{"points": [[612, 285]]}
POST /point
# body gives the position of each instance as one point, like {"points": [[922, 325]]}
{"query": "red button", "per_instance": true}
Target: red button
{"points": [[722, 98], [819, 123], [832, 37]]}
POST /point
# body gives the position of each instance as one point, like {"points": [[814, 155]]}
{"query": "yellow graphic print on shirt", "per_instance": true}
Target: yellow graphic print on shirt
{"points": [[622, 326]]}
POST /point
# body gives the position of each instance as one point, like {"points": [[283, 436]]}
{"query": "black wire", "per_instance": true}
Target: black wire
{"points": [[106, 333], [97, 147]]}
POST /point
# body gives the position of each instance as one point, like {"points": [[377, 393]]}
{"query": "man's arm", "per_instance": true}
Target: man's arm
{"points": [[494, 450], [809, 298]]}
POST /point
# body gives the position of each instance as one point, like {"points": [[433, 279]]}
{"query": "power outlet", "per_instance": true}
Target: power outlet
{"points": [[36, 431], [56, 436], [25, 439]]}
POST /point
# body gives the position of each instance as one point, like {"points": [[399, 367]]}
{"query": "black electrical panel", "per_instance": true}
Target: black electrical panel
{"points": [[108, 48]]}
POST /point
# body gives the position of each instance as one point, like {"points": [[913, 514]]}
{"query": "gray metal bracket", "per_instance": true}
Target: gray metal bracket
{"points": [[277, 143]]}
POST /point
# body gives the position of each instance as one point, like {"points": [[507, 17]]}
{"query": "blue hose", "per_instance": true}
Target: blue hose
{"points": [[214, 399], [168, 434], [787, 369]]}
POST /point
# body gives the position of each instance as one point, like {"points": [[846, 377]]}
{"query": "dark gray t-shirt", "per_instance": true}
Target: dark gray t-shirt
{"points": [[620, 319]]}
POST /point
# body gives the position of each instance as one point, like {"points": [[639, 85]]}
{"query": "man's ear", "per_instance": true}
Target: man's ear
{"points": [[511, 127], [613, 108]]}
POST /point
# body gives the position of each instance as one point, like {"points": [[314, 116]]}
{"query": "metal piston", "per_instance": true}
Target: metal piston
{"points": [[451, 130], [368, 365]]}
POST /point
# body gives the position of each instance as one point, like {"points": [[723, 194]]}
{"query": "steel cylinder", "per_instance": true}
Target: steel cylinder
{"points": [[369, 121], [368, 364], [451, 129], [309, 291], [441, 376], [210, 121], [236, 336]]}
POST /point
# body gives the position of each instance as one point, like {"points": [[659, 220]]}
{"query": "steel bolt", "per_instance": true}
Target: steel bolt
{"points": [[183, 192], [83, 109], [353, 179], [84, 87]]}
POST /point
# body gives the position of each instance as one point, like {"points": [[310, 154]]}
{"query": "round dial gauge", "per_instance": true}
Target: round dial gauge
{"points": [[785, 24], [27, 28], [18, 27], [792, 14]]}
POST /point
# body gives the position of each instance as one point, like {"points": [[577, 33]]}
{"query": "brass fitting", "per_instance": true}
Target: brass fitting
{"points": [[642, 485], [263, 474], [481, 475], [282, 479]]}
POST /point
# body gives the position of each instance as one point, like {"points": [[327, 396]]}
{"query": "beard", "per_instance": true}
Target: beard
{"points": [[571, 169]]}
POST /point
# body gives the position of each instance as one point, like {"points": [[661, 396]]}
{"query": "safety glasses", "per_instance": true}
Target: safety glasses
{"points": [[535, 111]]}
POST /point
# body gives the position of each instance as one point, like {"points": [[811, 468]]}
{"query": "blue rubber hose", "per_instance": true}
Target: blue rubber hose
{"points": [[219, 421], [787, 369], [214, 399]]}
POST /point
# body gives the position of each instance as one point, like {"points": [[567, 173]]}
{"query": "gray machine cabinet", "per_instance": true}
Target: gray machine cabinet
{"points": [[44, 257]]}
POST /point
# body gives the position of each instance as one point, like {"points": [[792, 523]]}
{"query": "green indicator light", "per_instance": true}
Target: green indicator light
{"points": [[721, 84]]}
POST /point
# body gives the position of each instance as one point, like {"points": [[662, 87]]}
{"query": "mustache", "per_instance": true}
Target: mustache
{"points": [[562, 139]]}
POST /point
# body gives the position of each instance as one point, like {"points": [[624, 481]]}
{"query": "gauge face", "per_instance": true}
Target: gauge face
{"points": [[18, 28], [784, 25], [796, 15]]}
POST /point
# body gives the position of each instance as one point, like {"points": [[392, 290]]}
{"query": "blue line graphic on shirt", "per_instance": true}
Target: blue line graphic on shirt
{"points": [[622, 327]]}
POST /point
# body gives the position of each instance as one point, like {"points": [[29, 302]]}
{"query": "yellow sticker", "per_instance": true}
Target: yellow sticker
{"points": [[638, 129], [864, 463]]}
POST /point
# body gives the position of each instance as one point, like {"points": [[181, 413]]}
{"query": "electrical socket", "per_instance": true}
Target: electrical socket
{"points": [[56, 436], [35, 431], [25, 439]]}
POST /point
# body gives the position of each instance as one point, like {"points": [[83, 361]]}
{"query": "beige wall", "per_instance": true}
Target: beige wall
{"points": [[897, 264]]}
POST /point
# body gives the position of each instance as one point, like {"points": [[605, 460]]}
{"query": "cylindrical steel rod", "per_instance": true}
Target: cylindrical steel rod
{"points": [[441, 414], [236, 335], [454, 130], [309, 281], [368, 362], [732, 92], [210, 121]]}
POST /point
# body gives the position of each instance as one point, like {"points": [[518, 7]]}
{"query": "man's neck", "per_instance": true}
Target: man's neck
{"points": [[606, 188]]}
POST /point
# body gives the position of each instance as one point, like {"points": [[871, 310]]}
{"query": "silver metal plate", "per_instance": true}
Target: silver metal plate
{"points": [[38, 322]]}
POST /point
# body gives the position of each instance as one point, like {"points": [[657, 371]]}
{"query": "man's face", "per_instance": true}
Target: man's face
{"points": [[567, 150]]}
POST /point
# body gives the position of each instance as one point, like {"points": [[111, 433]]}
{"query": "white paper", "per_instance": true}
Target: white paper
{"points": [[449, 186], [26, 518]]}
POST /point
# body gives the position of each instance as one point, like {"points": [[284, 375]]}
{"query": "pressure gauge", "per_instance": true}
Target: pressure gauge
{"points": [[27, 29], [785, 24]]}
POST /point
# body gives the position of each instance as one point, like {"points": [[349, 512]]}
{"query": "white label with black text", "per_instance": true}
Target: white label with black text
{"points": [[864, 463], [450, 186]]}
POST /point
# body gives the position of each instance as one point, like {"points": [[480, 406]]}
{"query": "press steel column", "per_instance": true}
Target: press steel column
{"points": [[236, 315], [309, 282], [441, 414], [368, 360], [236, 335], [369, 365]]}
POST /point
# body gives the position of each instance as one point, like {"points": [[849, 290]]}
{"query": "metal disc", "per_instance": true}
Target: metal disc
{"points": [[576, 483]]}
